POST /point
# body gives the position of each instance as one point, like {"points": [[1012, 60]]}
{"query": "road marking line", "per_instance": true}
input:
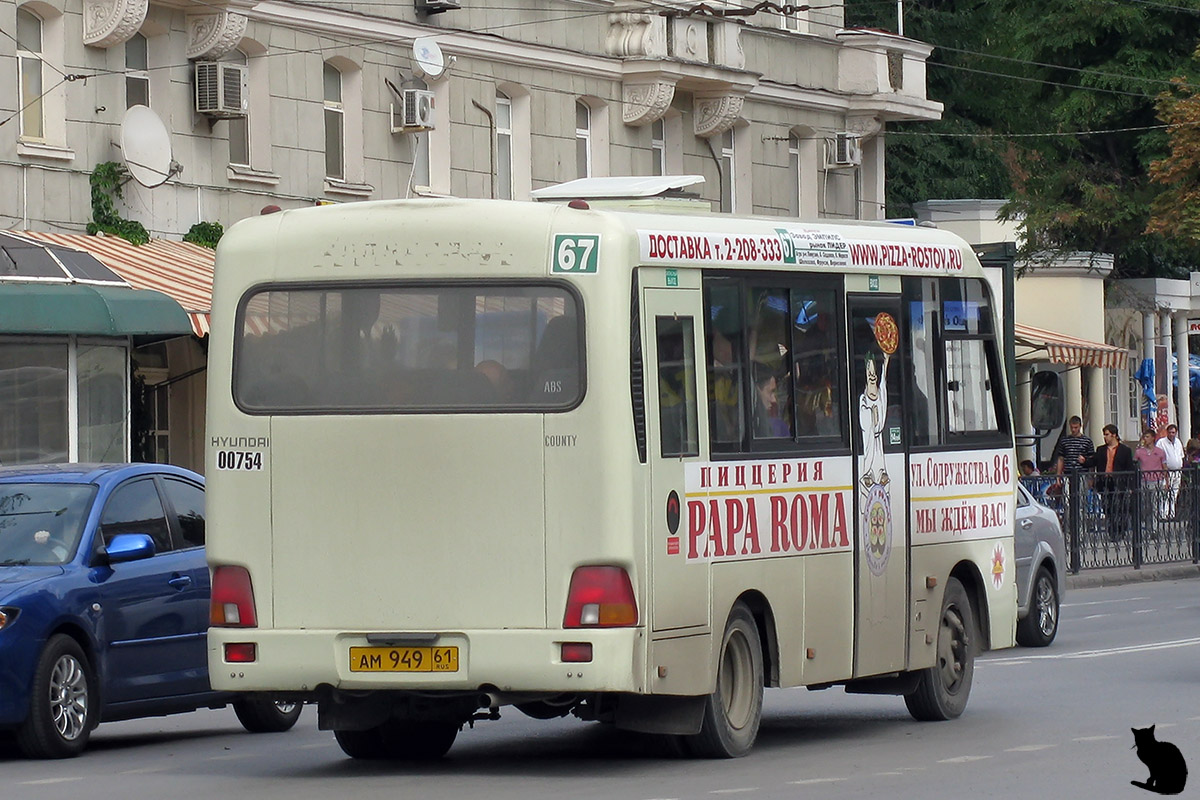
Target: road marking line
{"points": [[1096, 616], [1102, 602], [810, 781], [1146, 611], [1030, 748], [229, 757], [142, 771], [885, 774], [962, 759], [1193, 719], [45, 781], [314, 746], [1112, 651], [734, 791], [1094, 738]]}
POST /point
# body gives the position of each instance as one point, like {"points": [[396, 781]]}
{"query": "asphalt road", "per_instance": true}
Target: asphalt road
{"points": [[1041, 723]]}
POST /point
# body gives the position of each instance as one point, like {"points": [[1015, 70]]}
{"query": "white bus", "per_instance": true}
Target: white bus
{"points": [[628, 465]]}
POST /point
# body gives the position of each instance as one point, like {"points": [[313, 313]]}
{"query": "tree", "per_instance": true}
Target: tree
{"points": [[1065, 91], [1176, 211]]}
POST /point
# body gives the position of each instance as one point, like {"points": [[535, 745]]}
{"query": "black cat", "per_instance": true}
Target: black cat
{"points": [[1168, 772]]}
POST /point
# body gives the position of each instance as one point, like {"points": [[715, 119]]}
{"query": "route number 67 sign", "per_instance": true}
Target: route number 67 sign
{"points": [[575, 253]]}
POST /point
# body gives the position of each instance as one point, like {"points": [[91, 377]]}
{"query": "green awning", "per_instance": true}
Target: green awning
{"points": [[85, 310]]}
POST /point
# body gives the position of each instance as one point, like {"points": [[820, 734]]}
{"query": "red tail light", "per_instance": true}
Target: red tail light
{"points": [[600, 597], [232, 601]]}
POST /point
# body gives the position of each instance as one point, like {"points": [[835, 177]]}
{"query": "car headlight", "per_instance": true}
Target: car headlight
{"points": [[8, 615]]}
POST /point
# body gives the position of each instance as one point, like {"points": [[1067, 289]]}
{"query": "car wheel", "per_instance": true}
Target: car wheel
{"points": [[733, 712], [62, 704], [399, 740], [1040, 625], [942, 690], [264, 715]]}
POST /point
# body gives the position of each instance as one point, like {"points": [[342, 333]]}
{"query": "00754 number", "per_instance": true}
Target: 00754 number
{"points": [[239, 460]]}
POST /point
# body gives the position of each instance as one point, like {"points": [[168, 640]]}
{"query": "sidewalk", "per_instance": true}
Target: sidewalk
{"points": [[1116, 576]]}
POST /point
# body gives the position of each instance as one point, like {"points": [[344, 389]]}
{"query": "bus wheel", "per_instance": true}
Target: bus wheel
{"points": [[732, 713], [399, 740], [942, 690]]}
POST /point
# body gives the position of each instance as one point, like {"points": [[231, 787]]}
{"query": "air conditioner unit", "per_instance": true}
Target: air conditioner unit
{"points": [[221, 89], [842, 151], [415, 113]]}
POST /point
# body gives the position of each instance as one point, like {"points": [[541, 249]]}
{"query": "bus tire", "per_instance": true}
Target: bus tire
{"points": [[942, 690], [260, 714], [733, 712], [399, 740], [62, 704], [1040, 625]]}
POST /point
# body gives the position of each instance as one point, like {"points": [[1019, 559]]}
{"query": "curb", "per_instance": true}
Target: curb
{"points": [[1119, 576]]}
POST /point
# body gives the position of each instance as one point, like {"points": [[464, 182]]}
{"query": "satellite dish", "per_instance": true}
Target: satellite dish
{"points": [[146, 147], [428, 61]]}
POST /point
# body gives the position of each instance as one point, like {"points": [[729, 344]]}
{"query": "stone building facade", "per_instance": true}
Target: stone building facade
{"points": [[782, 114]]}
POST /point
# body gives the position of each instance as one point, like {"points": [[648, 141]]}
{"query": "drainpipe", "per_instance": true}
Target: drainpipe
{"points": [[492, 147]]}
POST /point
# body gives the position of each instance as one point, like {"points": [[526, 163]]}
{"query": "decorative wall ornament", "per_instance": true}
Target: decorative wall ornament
{"points": [[644, 103], [636, 35], [688, 40], [211, 36], [111, 22], [715, 113]]}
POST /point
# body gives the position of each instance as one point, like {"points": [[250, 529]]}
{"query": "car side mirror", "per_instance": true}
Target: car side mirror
{"points": [[129, 547], [1047, 408]]}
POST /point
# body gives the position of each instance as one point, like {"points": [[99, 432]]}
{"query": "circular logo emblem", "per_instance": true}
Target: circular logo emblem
{"points": [[672, 512], [877, 529]]}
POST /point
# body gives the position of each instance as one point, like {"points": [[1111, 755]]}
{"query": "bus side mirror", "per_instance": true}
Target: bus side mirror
{"points": [[1047, 406]]}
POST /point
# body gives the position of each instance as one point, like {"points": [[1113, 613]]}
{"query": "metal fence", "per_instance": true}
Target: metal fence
{"points": [[1124, 519]]}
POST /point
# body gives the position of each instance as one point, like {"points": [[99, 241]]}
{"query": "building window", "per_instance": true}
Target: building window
{"points": [[504, 147], [335, 162], [728, 165], [29, 75], [63, 400], [658, 147], [583, 139], [794, 175], [137, 78], [239, 127]]}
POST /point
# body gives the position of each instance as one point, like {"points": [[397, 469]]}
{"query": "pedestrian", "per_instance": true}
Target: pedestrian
{"points": [[1150, 460], [1173, 454], [1113, 462], [1067, 488]]}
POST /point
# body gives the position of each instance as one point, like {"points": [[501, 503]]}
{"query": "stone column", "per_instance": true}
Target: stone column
{"points": [[1074, 391], [1164, 338], [1148, 334], [1183, 405], [1098, 397]]}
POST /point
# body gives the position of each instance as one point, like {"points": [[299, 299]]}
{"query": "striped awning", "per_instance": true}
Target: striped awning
{"points": [[180, 270], [1061, 348]]}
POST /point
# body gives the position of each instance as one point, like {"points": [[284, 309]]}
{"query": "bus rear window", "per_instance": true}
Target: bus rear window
{"points": [[386, 349]]}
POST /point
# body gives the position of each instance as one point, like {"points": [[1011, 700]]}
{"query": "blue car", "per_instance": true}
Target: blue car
{"points": [[104, 604]]}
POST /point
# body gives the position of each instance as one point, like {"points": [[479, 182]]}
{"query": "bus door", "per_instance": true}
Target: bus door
{"points": [[881, 485], [673, 331]]}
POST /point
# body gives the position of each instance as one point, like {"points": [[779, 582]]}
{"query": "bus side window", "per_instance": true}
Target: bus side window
{"points": [[676, 387]]}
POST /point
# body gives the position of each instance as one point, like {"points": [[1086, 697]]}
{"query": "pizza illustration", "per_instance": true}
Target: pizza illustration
{"points": [[887, 333]]}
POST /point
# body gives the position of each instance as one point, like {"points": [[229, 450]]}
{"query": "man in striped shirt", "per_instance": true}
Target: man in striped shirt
{"points": [[1071, 447]]}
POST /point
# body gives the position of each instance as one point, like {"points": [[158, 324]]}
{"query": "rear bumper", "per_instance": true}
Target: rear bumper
{"points": [[507, 660]]}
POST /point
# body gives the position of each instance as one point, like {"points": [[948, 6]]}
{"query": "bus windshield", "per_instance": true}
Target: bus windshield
{"points": [[398, 348]]}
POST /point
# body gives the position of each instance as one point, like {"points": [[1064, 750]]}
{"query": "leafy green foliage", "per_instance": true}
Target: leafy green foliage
{"points": [[206, 234], [1030, 80], [106, 180]]}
